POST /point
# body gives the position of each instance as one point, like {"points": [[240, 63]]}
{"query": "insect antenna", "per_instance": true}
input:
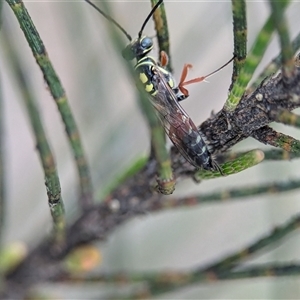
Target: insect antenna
{"points": [[219, 69], [109, 18], [149, 16]]}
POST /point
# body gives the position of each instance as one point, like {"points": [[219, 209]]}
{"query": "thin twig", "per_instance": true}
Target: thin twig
{"points": [[240, 163], [233, 194], [278, 154], [159, 283], [162, 31], [239, 37], [269, 136], [280, 24]]}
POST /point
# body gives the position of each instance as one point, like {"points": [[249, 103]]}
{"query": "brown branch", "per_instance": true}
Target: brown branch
{"points": [[254, 111]]}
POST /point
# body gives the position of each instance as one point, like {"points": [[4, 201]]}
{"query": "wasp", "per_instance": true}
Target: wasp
{"points": [[165, 96]]}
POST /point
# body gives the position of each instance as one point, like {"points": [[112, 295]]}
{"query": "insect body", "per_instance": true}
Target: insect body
{"points": [[179, 126], [164, 95]]}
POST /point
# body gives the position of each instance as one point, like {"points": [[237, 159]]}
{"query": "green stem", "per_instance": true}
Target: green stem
{"points": [[51, 177], [239, 164], [276, 235], [278, 154], [239, 37], [280, 23], [173, 280], [251, 63], [288, 118], [165, 181], [162, 31], [59, 96], [229, 195], [132, 170], [159, 283], [271, 137], [273, 66]]}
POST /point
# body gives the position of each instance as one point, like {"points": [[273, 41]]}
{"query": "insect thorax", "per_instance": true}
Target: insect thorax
{"points": [[145, 67]]}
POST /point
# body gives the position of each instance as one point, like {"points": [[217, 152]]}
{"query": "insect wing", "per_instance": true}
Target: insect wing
{"points": [[179, 126]]}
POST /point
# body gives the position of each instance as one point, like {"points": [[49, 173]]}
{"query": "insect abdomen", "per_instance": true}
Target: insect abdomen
{"points": [[197, 151]]}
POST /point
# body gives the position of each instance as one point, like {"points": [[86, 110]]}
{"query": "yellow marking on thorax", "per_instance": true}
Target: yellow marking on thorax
{"points": [[143, 78], [171, 83], [150, 62], [149, 87], [167, 74]]}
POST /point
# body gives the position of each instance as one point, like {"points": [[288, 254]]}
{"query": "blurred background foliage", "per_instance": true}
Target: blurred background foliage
{"points": [[114, 133]]}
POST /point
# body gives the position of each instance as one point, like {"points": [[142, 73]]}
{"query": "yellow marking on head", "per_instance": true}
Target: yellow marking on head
{"points": [[143, 78]]}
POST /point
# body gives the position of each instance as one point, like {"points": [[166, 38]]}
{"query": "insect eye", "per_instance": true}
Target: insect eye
{"points": [[128, 53], [146, 43]]}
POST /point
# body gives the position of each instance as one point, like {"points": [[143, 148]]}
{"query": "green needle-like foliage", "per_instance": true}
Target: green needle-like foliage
{"points": [[281, 25], [58, 93], [241, 163], [240, 37], [165, 181], [253, 59], [51, 177], [274, 65], [161, 27]]}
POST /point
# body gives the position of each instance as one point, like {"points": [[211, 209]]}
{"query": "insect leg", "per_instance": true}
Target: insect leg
{"points": [[183, 83], [164, 59]]}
